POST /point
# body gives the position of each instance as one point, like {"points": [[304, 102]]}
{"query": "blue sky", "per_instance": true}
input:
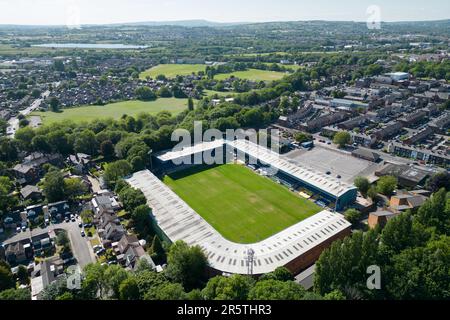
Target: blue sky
{"points": [[112, 11]]}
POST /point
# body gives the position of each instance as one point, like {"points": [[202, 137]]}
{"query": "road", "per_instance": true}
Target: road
{"points": [[81, 248], [13, 123]]}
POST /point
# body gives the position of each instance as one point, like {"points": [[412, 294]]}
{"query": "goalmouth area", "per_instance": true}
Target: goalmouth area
{"points": [[240, 204]]}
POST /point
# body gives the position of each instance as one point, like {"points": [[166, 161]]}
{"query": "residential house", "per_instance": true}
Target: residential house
{"points": [[18, 252], [30, 192], [58, 210]]}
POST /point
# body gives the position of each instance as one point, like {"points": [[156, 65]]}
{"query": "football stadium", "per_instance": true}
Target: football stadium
{"points": [[250, 217]]}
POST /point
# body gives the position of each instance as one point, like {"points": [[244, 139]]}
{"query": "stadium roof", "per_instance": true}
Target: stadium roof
{"points": [[332, 186], [188, 151], [180, 222]]}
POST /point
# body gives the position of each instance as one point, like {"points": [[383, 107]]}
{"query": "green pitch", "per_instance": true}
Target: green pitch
{"points": [[114, 110], [243, 206], [252, 74], [172, 70]]}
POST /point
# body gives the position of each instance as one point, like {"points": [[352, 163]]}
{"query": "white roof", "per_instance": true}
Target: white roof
{"points": [[321, 181], [188, 151], [180, 222]]}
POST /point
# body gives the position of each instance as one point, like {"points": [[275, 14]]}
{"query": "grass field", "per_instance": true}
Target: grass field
{"points": [[252, 74], [114, 110], [243, 206], [172, 70]]}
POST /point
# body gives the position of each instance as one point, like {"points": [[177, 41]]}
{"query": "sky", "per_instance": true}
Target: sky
{"points": [[66, 12]]}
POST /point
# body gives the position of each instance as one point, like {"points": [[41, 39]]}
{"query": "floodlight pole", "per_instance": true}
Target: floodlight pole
{"points": [[151, 161], [250, 258]]}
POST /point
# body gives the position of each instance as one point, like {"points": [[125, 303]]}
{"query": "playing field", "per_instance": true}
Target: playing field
{"points": [[114, 110], [172, 70], [252, 74], [243, 206]]}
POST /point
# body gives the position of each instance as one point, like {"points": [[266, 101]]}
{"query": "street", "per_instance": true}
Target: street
{"points": [[81, 248]]}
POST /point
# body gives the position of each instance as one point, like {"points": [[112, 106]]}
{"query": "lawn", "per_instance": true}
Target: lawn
{"points": [[172, 70], [114, 110], [243, 206], [252, 74]]}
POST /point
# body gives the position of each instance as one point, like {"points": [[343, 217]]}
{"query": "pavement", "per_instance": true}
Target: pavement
{"points": [[81, 247]]}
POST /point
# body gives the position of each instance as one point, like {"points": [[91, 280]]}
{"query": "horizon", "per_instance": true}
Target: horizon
{"points": [[102, 12]]}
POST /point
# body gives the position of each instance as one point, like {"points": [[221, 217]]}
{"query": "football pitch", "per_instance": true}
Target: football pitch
{"points": [[243, 206]]}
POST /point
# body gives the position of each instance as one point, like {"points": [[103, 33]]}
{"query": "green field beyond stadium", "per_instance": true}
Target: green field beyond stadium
{"points": [[114, 110], [243, 206], [172, 70]]}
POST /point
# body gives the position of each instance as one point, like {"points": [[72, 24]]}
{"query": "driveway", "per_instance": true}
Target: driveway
{"points": [[81, 247]]}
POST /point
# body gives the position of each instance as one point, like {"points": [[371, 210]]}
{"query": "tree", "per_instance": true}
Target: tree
{"points": [[421, 272], [40, 143], [22, 275], [401, 233], [54, 104], [437, 181], [301, 137], [386, 185], [55, 289], [276, 290], [54, 186], [114, 276], [6, 200], [115, 171], [74, 187], [157, 250], [435, 212], [170, 291], [65, 296], [144, 94], [15, 294], [129, 289], [132, 198], [236, 287], [6, 279], [24, 136], [190, 104], [334, 295], [95, 284], [280, 273], [342, 138], [362, 184], [86, 142], [353, 216], [186, 265], [372, 193], [107, 149], [344, 264]]}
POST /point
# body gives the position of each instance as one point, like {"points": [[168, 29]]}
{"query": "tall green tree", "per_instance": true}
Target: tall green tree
{"points": [[187, 265]]}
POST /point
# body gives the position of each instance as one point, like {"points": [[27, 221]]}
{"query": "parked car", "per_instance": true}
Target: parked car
{"points": [[80, 225], [24, 228], [82, 233], [66, 219]]}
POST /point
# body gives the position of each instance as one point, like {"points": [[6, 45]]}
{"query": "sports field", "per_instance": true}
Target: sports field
{"points": [[243, 206], [114, 110], [252, 74], [172, 70]]}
